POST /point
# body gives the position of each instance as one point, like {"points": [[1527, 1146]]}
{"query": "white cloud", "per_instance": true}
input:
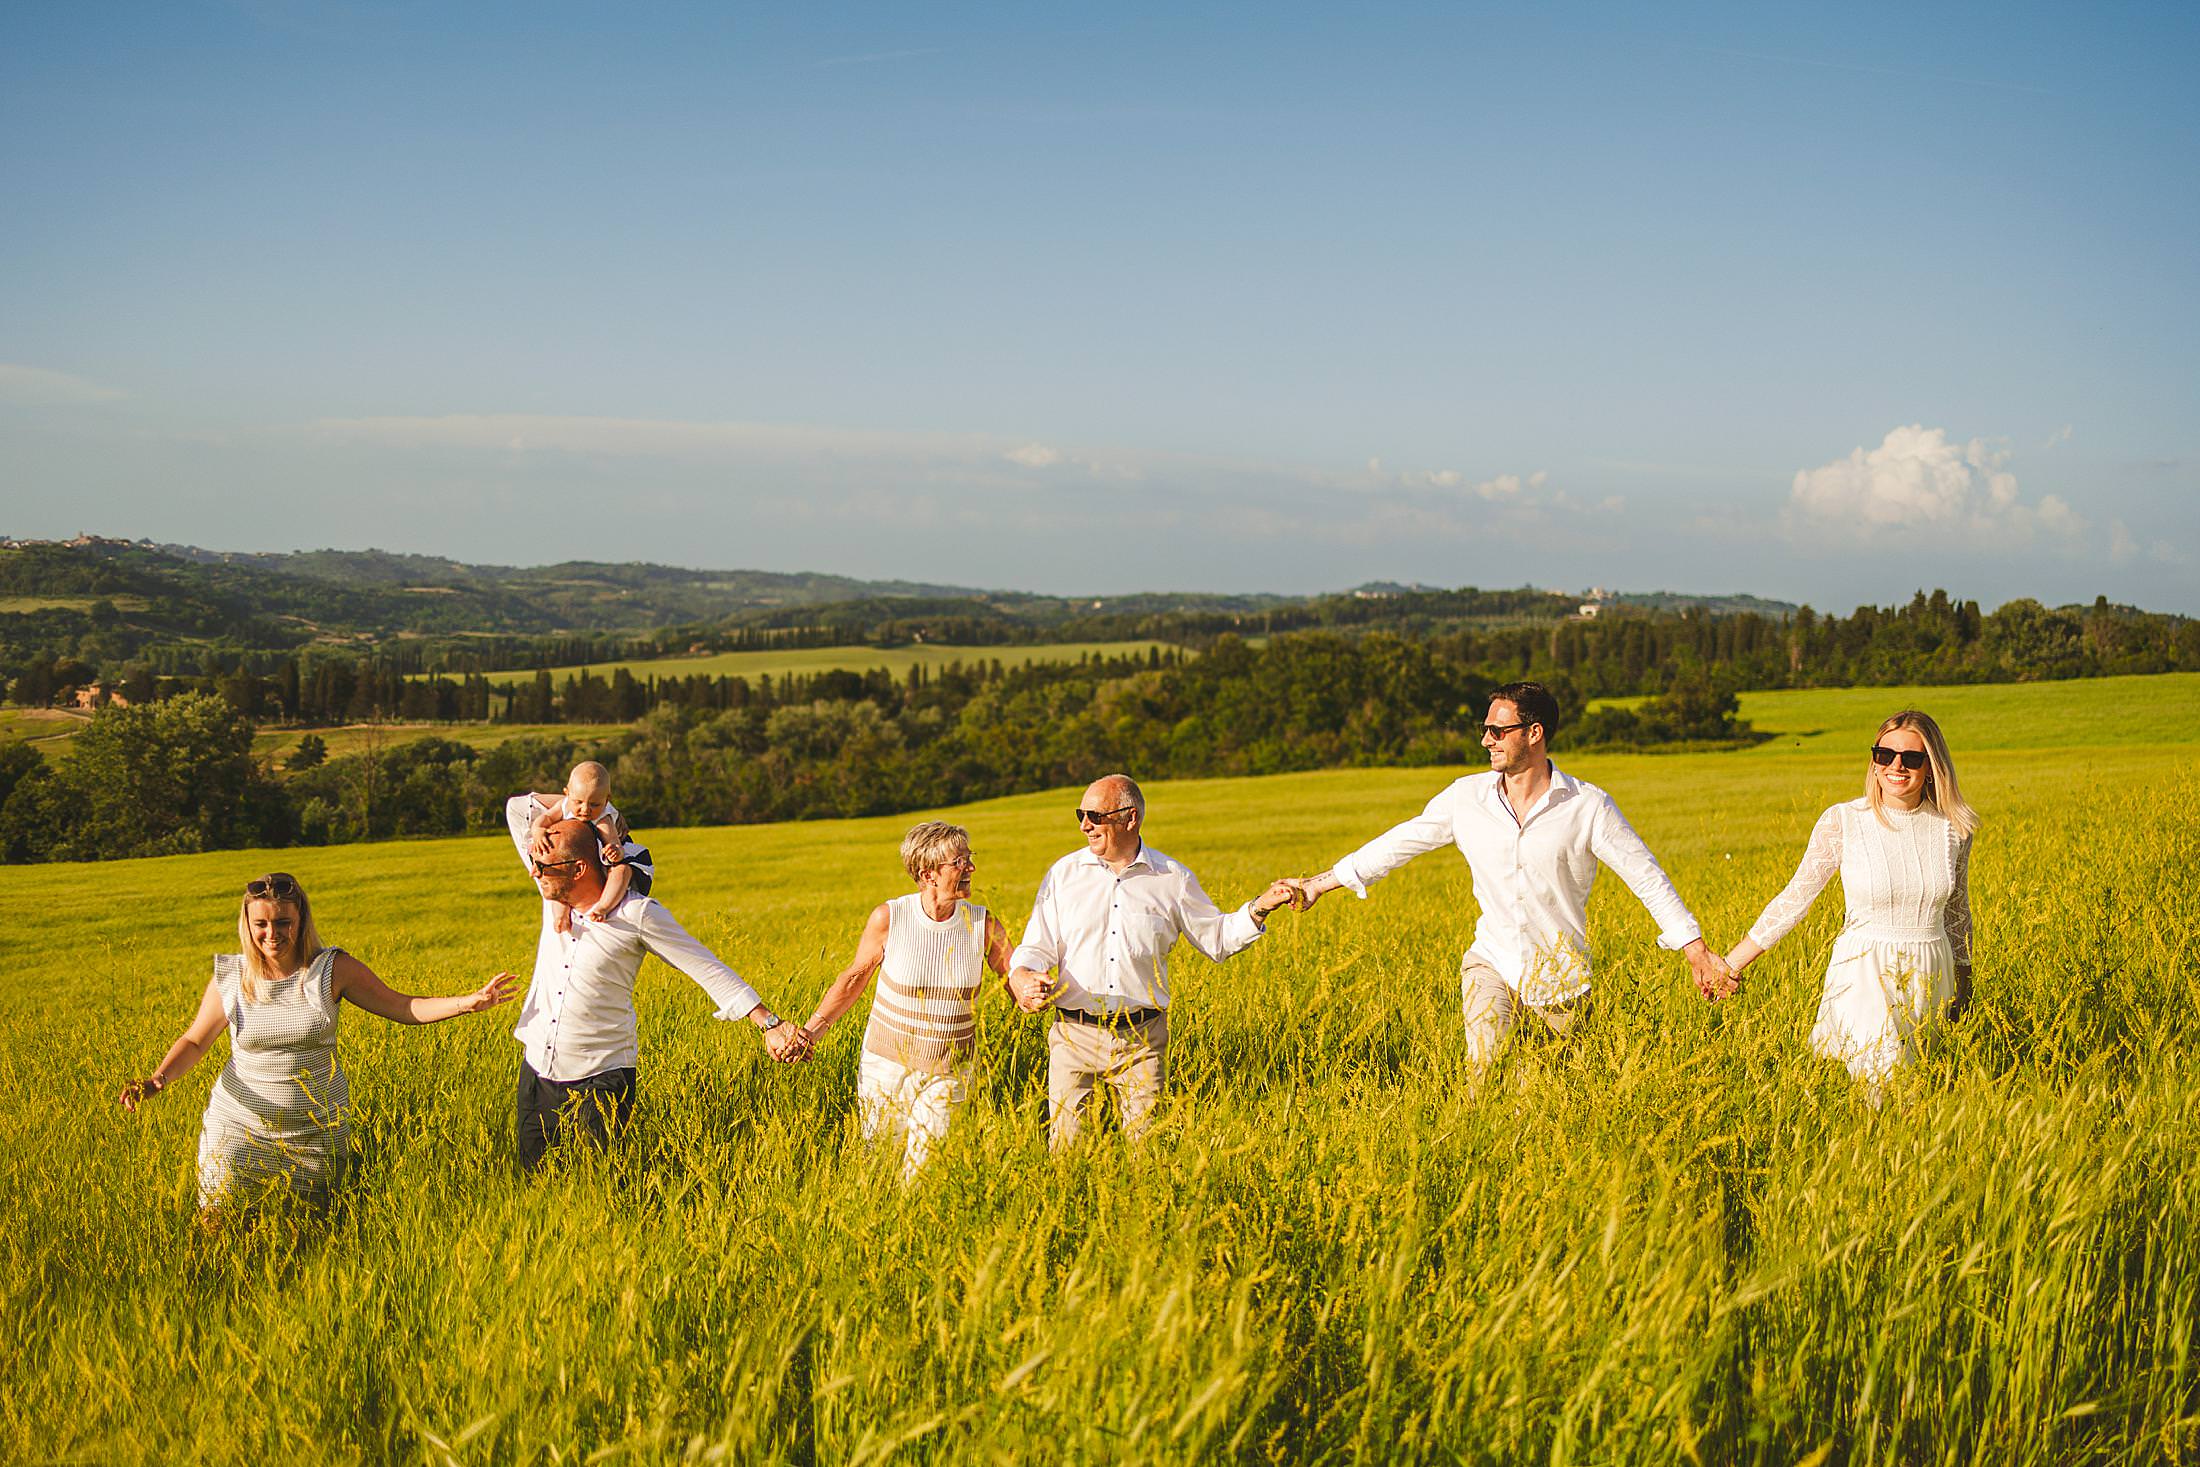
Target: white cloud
{"points": [[44, 387], [1917, 478], [2121, 547], [1033, 456], [2058, 438]]}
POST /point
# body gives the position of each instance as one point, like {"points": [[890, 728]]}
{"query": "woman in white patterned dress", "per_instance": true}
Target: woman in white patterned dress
{"points": [[931, 947], [1903, 958], [279, 1114]]}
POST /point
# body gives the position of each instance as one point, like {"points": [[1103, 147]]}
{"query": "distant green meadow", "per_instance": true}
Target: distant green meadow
{"points": [[810, 661], [1675, 1236]]}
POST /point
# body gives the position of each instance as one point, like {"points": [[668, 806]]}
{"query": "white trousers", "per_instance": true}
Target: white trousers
{"points": [[915, 1105], [1489, 1008]]}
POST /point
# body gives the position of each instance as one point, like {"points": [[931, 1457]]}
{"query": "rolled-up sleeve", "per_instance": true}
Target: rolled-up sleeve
{"points": [[1213, 931], [1430, 830], [1614, 842], [1041, 946], [663, 935]]}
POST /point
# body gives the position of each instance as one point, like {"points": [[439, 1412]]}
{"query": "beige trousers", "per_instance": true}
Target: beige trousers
{"points": [[1490, 1009], [1132, 1059]]}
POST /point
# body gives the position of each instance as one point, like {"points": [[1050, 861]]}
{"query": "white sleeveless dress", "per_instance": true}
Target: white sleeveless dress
{"points": [[917, 1045], [1907, 883], [280, 1112]]}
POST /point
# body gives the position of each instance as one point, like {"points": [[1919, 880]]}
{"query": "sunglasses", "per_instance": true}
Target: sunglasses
{"points": [[1911, 758], [538, 867], [1102, 817], [1499, 730], [276, 885]]}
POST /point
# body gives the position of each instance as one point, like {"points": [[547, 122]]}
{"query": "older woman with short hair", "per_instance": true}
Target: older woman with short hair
{"points": [[1904, 855], [928, 947], [280, 1113]]}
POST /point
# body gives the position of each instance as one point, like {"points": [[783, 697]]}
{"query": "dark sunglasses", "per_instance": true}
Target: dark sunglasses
{"points": [[276, 885], [1911, 758], [1499, 730], [538, 867], [1102, 817]]}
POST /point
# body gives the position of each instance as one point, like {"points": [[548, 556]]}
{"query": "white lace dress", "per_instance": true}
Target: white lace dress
{"points": [[1906, 880]]}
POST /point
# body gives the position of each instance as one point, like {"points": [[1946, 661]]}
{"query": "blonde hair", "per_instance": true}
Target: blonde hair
{"points": [[1942, 794], [931, 844], [306, 944]]}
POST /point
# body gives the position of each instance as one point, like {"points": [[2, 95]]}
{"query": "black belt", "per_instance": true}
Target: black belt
{"points": [[1119, 1016]]}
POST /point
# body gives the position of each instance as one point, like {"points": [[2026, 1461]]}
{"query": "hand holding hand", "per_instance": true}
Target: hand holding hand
{"points": [[138, 1091], [787, 1042], [1714, 978], [1281, 893], [1303, 892], [1033, 990]]}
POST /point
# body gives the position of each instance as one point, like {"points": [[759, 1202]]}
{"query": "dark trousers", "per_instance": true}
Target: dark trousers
{"points": [[596, 1107]]}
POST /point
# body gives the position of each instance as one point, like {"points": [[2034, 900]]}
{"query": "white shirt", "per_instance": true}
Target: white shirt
{"points": [[1108, 934], [1531, 875], [578, 1016]]}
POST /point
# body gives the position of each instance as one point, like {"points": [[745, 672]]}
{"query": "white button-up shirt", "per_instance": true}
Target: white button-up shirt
{"points": [[1108, 934], [578, 1017], [1531, 875]]}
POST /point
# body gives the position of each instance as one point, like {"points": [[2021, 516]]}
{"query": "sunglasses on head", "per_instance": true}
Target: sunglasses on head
{"points": [[1911, 758], [1102, 817], [276, 885]]}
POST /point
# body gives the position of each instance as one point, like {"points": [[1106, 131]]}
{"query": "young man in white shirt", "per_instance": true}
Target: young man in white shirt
{"points": [[1532, 836], [1104, 921], [577, 1024]]}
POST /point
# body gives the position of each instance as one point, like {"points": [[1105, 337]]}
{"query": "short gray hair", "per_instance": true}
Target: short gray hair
{"points": [[1128, 789], [931, 844]]}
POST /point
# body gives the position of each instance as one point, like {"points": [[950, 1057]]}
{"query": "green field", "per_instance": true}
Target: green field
{"points": [[809, 661], [1673, 1237], [278, 743], [45, 728], [20, 604]]}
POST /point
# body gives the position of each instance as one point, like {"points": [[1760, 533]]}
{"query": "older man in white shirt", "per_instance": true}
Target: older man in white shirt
{"points": [[1104, 921], [1532, 836], [577, 1025]]}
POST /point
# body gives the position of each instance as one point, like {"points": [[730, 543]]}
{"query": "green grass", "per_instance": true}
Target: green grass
{"points": [[1674, 1236], [45, 728], [68, 603], [354, 738], [809, 661], [2163, 709]]}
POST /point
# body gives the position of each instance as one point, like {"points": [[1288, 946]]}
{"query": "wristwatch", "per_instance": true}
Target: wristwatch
{"points": [[771, 1021]]}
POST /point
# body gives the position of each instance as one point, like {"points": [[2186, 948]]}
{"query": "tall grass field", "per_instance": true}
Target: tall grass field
{"points": [[1672, 1237]]}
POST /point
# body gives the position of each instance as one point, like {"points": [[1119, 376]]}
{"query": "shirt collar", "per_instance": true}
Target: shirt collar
{"points": [[1091, 857], [1563, 786]]}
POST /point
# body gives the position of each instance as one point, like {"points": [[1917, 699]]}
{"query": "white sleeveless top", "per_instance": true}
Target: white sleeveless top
{"points": [[922, 1015]]}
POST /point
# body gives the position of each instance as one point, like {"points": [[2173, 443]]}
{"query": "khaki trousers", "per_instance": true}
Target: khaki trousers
{"points": [[1132, 1059], [1490, 1009]]}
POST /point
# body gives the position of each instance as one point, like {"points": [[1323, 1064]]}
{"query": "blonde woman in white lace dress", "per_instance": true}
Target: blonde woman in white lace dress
{"points": [[1903, 958], [279, 1115]]}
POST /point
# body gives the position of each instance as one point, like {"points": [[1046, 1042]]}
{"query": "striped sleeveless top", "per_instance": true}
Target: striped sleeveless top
{"points": [[921, 1017]]}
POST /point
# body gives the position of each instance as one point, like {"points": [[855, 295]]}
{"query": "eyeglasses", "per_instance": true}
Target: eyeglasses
{"points": [[538, 867], [276, 885], [1911, 758], [1102, 817], [1499, 730]]}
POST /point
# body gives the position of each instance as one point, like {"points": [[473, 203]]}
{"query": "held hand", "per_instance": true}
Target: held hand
{"points": [[138, 1091], [501, 989], [1033, 990], [1280, 894], [787, 1042], [1714, 979], [1303, 893]]}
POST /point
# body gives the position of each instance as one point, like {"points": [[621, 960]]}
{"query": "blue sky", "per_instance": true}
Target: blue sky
{"points": [[1820, 306]]}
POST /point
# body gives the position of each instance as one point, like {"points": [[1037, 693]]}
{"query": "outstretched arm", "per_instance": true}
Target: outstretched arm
{"points": [[206, 1025], [1615, 843], [1821, 859], [354, 981], [999, 953], [1430, 830], [853, 979]]}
